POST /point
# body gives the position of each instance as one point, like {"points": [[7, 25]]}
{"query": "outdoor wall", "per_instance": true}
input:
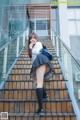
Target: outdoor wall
{"points": [[73, 1], [39, 1], [29, 1], [19, 1], [75, 46], [74, 30], [55, 19]]}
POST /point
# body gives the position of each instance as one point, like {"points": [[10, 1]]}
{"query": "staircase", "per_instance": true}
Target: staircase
{"points": [[18, 96]]}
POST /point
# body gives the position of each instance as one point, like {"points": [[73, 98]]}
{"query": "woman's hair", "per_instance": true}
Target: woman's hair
{"points": [[32, 35]]}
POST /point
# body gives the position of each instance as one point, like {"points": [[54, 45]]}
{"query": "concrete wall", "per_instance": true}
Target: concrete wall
{"points": [[19, 1], [39, 1], [73, 0], [75, 46], [29, 1]]}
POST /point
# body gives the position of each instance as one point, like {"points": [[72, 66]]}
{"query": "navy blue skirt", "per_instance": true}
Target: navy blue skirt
{"points": [[40, 60]]}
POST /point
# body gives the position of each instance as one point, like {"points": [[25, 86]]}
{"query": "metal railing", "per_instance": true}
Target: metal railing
{"points": [[13, 36], [10, 51], [71, 70]]}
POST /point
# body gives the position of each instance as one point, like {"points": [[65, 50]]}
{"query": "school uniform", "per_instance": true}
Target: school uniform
{"points": [[39, 59]]}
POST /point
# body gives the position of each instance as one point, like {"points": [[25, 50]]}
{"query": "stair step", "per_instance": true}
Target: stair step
{"points": [[31, 94], [28, 59], [25, 71], [29, 73], [54, 63], [26, 55], [55, 66], [30, 63], [32, 106], [33, 81], [35, 89], [27, 77], [29, 84], [22, 66], [19, 66], [34, 100], [48, 116], [49, 48]]}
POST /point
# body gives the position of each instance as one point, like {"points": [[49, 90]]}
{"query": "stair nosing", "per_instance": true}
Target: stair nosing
{"points": [[34, 89], [30, 68], [46, 115], [33, 81], [29, 74], [34, 100]]}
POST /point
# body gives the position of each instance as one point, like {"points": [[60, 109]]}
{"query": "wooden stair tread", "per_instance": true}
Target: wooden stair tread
{"points": [[28, 57], [34, 100], [46, 114], [29, 74], [33, 81], [34, 89], [31, 63], [30, 68]]}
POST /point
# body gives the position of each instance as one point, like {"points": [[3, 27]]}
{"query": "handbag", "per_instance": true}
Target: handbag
{"points": [[45, 51]]}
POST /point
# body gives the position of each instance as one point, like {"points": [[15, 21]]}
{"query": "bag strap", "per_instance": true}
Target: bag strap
{"points": [[44, 46]]}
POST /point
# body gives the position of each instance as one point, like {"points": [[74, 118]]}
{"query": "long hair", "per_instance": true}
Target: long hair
{"points": [[31, 35]]}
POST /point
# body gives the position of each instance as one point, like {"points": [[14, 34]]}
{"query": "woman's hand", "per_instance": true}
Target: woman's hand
{"points": [[31, 45]]}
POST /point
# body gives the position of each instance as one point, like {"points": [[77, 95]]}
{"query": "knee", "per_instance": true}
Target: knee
{"points": [[39, 85]]}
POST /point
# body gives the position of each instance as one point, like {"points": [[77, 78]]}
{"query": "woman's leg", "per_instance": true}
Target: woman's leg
{"points": [[47, 69], [40, 75], [34, 82], [45, 96], [49, 72], [39, 91]]}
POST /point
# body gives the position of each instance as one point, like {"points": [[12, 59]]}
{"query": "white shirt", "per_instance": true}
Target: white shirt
{"points": [[36, 50]]}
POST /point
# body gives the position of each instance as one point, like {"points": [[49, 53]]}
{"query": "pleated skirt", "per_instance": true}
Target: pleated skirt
{"points": [[41, 60]]}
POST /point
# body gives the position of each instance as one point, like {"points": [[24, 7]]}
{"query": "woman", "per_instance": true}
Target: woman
{"points": [[41, 69]]}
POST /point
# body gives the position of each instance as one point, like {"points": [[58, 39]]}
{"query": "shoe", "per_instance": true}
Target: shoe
{"points": [[40, 113], [46, 98], [48, 75]]}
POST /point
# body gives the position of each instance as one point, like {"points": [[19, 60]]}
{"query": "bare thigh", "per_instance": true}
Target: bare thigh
{"points": [[47, 69], [40, 71]]}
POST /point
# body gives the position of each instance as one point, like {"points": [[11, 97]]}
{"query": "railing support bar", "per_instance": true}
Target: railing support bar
{"points": [[5, 62]]}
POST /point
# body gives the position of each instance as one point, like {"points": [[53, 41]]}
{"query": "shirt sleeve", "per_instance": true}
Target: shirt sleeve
{"points": [[37, 48]]}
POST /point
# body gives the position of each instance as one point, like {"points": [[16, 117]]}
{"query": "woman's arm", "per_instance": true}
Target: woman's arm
{"points": [[37, 48]]}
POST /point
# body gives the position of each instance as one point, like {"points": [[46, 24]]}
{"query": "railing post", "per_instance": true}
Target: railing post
{"points": [[35, 25], [17, 49], [51, 36], [65, 64], [5, 62], [23, 39], [57, 46], [53, 39], [27, 32]]}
